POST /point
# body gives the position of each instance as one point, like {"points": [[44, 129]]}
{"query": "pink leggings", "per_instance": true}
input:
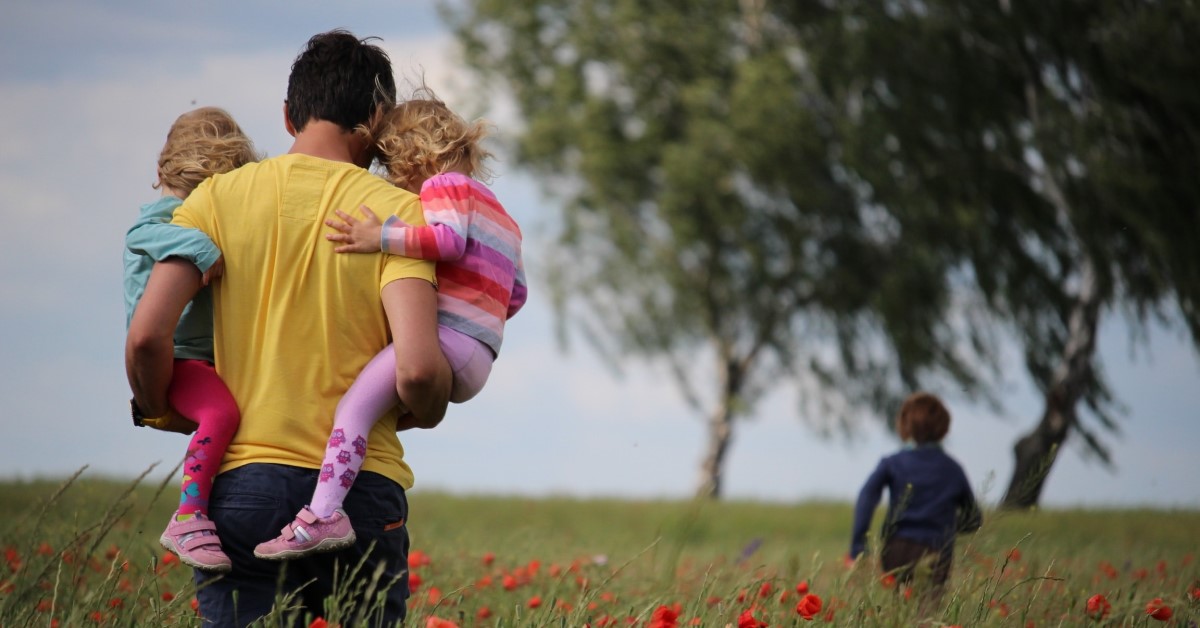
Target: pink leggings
{"points": [[198, 394], [374, 393]]}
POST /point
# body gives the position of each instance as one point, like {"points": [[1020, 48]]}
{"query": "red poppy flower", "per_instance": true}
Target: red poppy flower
{"points": [[414, 582], [747, 620], [809, 606], [167, 596], [1158, 610], [417, 558], [434, 596], [764, 590], [1014, 555], [1108, 569], [802, 588], [888, 580], [665, 616], [1098, 607], [484, 612], [318, 623], [535, 601], [509, 582], [489, 558], [438, 622]]}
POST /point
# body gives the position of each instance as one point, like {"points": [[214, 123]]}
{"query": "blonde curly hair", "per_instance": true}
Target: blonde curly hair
{"points": [[201, 143], [422, 137]]}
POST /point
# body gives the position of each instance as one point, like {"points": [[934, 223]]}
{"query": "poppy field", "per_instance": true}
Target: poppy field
{"points": [[84, 552]]}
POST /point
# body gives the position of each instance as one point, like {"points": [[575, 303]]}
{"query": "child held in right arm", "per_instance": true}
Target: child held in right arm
{"points": [[201, 143], [429, 150], [929, 497]]}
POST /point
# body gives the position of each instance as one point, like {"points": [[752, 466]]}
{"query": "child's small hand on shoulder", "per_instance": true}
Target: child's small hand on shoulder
{"points": [[356, 235]]}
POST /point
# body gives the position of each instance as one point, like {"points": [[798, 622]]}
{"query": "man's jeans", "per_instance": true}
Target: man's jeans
{"points": [[252, 503]]}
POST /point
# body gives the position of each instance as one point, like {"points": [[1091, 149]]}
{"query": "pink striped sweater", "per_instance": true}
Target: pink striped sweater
{"points": [[477, 245]]}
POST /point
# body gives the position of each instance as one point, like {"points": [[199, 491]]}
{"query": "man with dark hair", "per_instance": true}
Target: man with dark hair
{"points": [[294, 323]]}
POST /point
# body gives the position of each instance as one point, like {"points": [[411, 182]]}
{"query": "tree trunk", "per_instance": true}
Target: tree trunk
{"points": [[720, 434], [1036, 452]]}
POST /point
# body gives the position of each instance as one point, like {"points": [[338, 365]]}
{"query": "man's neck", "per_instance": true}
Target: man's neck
{"points": [[327, 140]]}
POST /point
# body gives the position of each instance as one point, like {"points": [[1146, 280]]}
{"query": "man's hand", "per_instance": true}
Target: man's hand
{"points": [[214, 271], [357, 236]]}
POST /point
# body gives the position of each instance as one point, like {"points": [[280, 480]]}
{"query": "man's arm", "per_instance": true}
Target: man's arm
{"points": [[150, 344], [423, 376]]}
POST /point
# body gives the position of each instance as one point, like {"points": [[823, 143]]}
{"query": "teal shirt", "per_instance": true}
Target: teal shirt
{"points": [[153, 238]]}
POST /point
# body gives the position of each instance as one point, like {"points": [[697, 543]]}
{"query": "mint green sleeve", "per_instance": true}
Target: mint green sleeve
{"points": [[157, 238]]}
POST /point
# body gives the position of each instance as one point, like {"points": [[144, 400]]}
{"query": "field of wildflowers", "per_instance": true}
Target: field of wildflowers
{"points": [[84, 552]]}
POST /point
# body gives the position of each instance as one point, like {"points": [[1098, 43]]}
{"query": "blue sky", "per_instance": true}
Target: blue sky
{"points": [[88, 92]]}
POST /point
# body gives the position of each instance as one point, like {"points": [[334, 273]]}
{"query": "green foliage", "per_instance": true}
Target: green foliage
{"points": [[708, 213], [849, 195], [570, 562], [1027, 142]]}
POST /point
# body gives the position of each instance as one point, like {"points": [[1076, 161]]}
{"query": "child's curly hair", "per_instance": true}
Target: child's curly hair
{"points": [[201, 143], [422, 137], [923, 418]]}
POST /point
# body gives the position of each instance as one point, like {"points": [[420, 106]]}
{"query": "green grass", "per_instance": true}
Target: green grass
{"points": [[85, 551]]}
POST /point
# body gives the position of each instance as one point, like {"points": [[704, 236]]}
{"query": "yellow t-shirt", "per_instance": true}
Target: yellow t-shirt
{"points": [[294, 322]]}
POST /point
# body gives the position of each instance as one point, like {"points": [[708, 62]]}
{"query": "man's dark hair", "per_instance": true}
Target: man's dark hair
{"points": [[339, 78]]}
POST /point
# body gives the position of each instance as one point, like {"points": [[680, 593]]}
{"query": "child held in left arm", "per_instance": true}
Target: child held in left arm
{"points": [[430, 151]]}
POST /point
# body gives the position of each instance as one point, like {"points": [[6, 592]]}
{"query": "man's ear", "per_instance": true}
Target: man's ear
{"points": [[287, 122]]}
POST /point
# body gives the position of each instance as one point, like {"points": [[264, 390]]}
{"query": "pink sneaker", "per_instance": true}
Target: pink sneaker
{"points": [[308, 534], [196, 543]]}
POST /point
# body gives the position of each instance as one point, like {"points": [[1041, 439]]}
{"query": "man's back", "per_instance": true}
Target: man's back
{"points": [[294, 321]]}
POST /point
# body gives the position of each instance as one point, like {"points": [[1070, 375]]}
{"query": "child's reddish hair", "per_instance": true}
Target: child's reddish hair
{"points": [[923, 419]]}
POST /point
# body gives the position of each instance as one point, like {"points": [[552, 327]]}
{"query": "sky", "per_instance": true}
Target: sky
{"points": [[87, 92]]}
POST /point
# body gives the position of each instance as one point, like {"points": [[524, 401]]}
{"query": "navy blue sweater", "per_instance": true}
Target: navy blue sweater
{"points": [[929, 499]]}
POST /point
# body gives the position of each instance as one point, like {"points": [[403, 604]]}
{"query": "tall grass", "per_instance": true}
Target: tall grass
{"points": [[84, 551]]}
